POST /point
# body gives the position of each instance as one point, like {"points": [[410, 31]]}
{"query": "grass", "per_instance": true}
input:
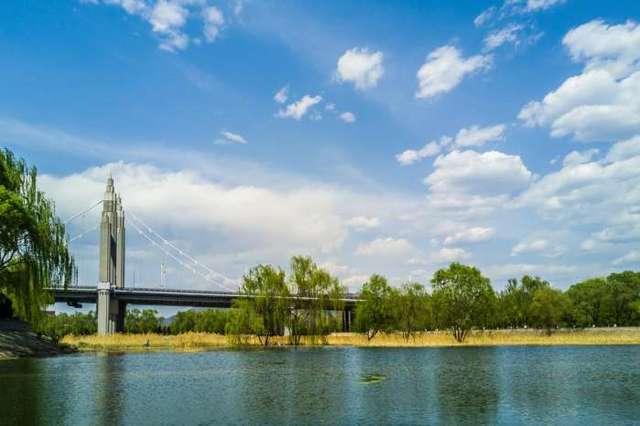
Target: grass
{"points": [[202, 341]]}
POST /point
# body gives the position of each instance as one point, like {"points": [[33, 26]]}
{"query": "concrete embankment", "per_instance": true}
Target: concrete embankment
{"points": [[17, 340]]}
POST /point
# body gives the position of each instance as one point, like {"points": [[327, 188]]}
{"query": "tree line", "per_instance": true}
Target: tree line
{"points": [[307, 302]]}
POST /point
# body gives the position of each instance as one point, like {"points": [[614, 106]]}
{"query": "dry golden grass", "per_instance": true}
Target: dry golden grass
{"points": [[203, 341]]}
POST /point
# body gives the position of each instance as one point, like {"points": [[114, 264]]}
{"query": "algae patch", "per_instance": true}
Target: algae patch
{"points": [[372, 378]]}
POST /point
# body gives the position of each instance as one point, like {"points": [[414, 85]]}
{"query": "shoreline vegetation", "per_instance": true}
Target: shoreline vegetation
{"points": [[195, 342]]}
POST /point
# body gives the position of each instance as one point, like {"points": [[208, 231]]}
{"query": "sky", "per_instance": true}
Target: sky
{"points": [[376, 137]]}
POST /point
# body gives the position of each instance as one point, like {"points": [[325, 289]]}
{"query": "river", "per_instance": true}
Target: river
{"points": [[503, 385]]}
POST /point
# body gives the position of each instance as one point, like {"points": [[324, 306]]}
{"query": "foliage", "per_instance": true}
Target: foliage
{"points": [[209, 321], [313, 293], [266, 292], [515, 301], [412, 307], [462, 297], [58, 326], [33, 249], [548, 308], [375, 312], [145, 321]]}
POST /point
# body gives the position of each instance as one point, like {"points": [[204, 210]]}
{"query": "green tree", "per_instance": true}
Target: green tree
{"points": [[267, 294], [313, 293], [623, 291], [375, 312], [145, 321], [515, 301], [548, 308], [33, 249], [412, 309], [589, 301], [461, 296]]}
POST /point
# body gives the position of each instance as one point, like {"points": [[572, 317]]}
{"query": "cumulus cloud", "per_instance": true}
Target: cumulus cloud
{"points": [[362, 223], [297, 110], [359, 66], [229, 137], [454, 254], [631, 257], [536, 5], [281, 95], [484, 17], [603, 102], [474, 234], [478, 136], [508, 34], [539, 245], [445, 68], [597, 193], [348, 117], [474, 177], [389, 247], [169, 19], [579, 157], [213, 20], [473, 136], [411, 156]]}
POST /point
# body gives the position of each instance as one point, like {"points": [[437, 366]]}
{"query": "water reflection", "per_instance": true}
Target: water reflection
{"points": [[324, 386], [109, 371], [467, 391]]}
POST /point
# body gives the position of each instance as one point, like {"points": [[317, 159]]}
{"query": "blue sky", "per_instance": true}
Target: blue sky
{"points": [[412, 134]]}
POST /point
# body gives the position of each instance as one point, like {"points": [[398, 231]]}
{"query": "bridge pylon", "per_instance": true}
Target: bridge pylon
{"points": [[111, 311]]}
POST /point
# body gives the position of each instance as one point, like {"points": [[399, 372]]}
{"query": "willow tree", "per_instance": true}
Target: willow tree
{"points": [[33, 249]]}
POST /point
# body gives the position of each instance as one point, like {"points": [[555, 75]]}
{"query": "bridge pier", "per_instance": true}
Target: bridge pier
{"points": [[111, 311], [347, 318]]}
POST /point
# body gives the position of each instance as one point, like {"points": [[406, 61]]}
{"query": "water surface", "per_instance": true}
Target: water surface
{"points": [[504, 385]]}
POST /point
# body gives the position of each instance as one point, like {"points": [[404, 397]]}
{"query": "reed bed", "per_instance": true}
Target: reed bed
{"points": [[202, 341]]}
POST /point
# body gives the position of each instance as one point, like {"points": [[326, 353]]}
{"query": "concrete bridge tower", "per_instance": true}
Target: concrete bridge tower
{"points": [[111, 274]]}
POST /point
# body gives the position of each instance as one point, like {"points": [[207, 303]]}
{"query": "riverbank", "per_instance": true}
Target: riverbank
{"points": [[18, 341], [204, 341]]}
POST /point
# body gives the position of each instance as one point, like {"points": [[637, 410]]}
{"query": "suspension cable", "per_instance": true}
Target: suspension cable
{"points": [[83, 233], [93, 206], [180, 262], [186, 255]]}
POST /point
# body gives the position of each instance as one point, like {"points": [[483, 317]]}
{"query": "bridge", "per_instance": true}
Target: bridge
{"points": [[111, 296]]}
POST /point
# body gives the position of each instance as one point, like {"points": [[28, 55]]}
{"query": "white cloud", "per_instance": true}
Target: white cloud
{"points": [[348, 117], [532, 246], [281, 95], [391, 247], [625, 149], [603, 102], [508, 34], [575, 157], [484, 17], [446, 255], [410, 156], [213, 20], [631, 257], [362, 223], [487, 174], [473, 136], [478, 136], [229, 137], [471, 235], [536, 5], [298, 109], [169, 19], [445, 68], [360, 67]]}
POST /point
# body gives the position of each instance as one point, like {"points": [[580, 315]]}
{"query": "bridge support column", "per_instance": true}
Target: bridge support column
{"points": [[111, 311], [346, 320], [104, 308]]}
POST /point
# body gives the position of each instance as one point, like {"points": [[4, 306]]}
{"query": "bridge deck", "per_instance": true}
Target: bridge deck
{"points": [[169, 297]]}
